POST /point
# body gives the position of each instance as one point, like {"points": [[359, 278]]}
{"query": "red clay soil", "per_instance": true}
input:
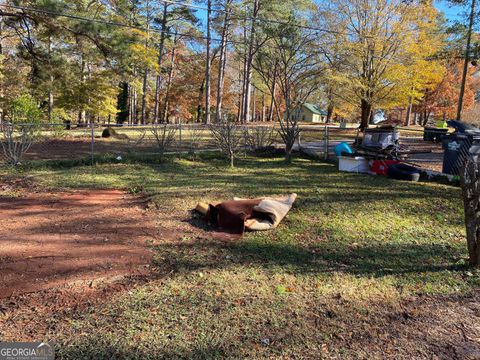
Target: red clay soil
{"points": [[48, 240]]}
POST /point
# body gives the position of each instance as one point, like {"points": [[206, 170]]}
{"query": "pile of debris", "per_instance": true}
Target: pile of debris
{"points": [[379, 152]]}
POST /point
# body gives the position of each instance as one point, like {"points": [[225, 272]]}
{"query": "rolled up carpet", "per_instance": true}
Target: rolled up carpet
{"points": [[236, 216]]}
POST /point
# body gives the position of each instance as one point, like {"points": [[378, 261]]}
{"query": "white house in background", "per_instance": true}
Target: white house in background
{"points": [[310, 113]]}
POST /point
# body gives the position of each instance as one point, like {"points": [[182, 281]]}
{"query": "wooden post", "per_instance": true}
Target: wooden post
{"points": [[180, 133], [470, 179], [92, 139], [326, 142]]}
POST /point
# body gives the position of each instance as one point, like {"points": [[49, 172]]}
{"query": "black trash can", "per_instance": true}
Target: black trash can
{"points": [[456, 147], [434, 134]]}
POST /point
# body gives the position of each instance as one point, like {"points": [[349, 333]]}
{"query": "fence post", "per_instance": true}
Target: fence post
{"points": [[180, 134], [92, 140], [326, 142]]}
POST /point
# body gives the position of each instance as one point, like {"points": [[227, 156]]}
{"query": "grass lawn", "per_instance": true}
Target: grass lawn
{"points": [[363, 267]]}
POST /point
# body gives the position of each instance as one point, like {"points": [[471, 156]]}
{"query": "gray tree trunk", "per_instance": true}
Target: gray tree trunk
{"points": [[273, 93], [208, 64], [158, 82], [50, 85], [240, 94], [466, 61], [222, 63], [470, 180], [200, 100], [409, 111], [144, 96], [254, 107], [244, 82], [82, 115], [145, 72], [249, 60], [263, 108], [165, 116]]}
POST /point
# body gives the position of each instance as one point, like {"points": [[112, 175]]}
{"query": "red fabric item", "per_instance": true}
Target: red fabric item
{"points": [[231, 215], [380, 167]]}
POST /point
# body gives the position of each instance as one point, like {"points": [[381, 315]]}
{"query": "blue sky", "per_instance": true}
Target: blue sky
{"points": [[452, 12]]}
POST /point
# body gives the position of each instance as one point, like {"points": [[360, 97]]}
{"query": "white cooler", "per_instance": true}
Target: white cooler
{"points": [[357, 164]]}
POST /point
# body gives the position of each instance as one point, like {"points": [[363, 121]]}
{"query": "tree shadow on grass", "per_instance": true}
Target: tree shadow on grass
{"points": [[254, 176], [376, 260]]}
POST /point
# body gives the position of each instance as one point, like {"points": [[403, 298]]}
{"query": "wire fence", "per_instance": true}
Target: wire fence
{"points": [[30, 142], [36, 142]]}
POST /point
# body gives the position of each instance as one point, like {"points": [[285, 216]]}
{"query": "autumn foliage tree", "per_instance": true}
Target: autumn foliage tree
{"points": [[442, 100], [144, 61], [386, 45]]}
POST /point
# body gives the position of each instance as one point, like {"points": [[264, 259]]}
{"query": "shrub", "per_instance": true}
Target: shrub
{"points": [[259, 137], [24, 109], [164, 137], [228, 138], [16, 141]]}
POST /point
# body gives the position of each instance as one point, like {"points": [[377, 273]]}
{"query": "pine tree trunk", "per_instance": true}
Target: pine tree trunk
{"points": [[200, 101], [134, 106], [466, 60], [145, 72], [243, 91], [132, 113], [50, 85], [248, 96], [249, 61], [254, 108], [222, 63], [129, 100], [50, 104], [208, 64], [240, 94], [158, 82], [169, 81], [144, 97], [263, 108], [273, 93], [82, 116]]}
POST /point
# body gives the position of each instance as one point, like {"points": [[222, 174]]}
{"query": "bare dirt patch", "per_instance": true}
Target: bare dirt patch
{"points": [[48, 240]]}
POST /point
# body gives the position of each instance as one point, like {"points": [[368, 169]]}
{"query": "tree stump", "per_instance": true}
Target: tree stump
{"points": [[470, 180]]}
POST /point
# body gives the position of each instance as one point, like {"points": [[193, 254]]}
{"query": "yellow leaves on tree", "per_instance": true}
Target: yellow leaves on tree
{"points": [[442, 100], [388, 52]]}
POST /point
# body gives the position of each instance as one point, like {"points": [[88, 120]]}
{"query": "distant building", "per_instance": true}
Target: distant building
{"points": [[310, 113]]}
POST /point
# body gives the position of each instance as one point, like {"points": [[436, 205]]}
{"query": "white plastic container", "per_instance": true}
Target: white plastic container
{"points": [[357, 164]]}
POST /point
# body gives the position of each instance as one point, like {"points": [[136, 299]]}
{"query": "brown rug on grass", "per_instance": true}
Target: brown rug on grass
{"points": [[236, 216]]}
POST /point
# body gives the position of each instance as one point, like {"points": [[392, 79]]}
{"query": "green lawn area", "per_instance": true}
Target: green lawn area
{"points": [[362, 267]]}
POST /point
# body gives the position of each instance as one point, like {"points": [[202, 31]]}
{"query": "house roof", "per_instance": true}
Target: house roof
{"points": [[315, 109]]}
